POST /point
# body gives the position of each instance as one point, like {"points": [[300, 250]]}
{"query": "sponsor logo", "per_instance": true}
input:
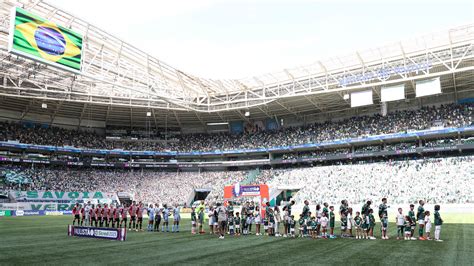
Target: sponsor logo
{"points": [[96, 232], [32, 213], [19, 213], [54, 213]]}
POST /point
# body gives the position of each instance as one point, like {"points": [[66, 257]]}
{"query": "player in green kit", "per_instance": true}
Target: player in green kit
{"points": [[343, 215], [326, 209], [383, 212], [332, 222], [313, 225], [420, 216], [302, 226], [237, 223], [305, 215], [411, 214], [438, 222], [200, 212], [371, 224], [193, 220]]}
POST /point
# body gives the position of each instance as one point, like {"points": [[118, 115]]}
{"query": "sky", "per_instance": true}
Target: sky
{"points": [[238, 39]]}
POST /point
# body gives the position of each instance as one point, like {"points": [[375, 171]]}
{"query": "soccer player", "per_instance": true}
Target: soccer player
{"points": [[110, 215], [324, 225], [237, 223], [230, 223], [83, 215], [124, 213], [420, 216], [292, 224], [384, 226], [286, 217], [76, 212], [98, 210], [400, 223], [193, 220], [157, 222], [139, 217], [438, 222], [365, 210], [326, 209], [277, 218], [270, 220], [319, 212], [302, 225], [151, 217], [200, 212], [343, 217], [427, 225], [408, 228], [371, 224], [105, 215], [313, 224], [332, 222], [116, 216], [305, 215], [244, 213], [87, 211], [358, 225], [258, 220], [132, 210], [383, 211], [166, 215], [94, 214], [176, 219], [411, 214], [349, 221], [212, 220]]}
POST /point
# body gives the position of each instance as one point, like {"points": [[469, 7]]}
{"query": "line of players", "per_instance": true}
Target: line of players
{"points": [[103, 215], [222, 219], [321, 225]]}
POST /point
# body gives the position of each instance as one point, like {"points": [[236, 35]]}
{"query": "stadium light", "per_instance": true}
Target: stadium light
{"points": [[217, 123], [148, 114], [345, 96], [44, 105], [247, 113]]}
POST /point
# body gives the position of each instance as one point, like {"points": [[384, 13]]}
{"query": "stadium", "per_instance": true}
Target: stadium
{"points": [[110, 155]]}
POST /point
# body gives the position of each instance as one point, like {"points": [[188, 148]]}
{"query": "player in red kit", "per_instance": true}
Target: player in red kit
{"points": [[76, 210], [105, 215], [140, 216], [83, 215], [133, 216], [98, 210], [116, 217]]}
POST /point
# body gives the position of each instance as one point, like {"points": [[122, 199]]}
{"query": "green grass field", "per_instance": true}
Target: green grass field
{"points": [[44, 240]]}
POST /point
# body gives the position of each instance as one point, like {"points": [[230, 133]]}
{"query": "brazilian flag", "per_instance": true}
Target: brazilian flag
{"points": [[38, 38]]}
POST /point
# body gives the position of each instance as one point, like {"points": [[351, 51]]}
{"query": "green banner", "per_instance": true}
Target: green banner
{"points": [[5, 213], [43, 40]]}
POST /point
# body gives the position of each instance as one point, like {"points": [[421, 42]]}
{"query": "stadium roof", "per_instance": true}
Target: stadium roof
{"points": [[119, 83]]}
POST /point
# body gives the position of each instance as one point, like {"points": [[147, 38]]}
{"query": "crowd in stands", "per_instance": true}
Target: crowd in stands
{"points": [[147, 186], [452, 115], [438, 180]]}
